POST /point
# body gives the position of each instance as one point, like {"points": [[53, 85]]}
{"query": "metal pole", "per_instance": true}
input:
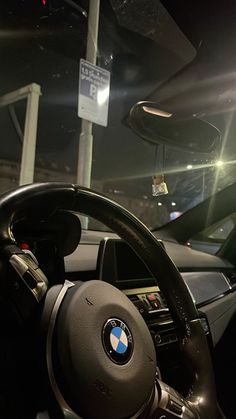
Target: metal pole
{"points": [[31, 92], [20, 94], [30, 134], [86, 137]]}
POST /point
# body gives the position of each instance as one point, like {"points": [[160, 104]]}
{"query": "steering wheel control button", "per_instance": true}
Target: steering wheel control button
{"points": [[30, 280], [175, 407], [117, 341], [32, 276]]}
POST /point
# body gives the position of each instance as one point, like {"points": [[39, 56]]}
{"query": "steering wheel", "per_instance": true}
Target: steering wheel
{"points": [[99, 354]]}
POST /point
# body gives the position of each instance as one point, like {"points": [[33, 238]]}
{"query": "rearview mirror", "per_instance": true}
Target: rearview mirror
{"points": [[162, 127]]}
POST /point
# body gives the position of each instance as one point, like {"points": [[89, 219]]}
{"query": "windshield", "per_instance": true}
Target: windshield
{"points": [[41, 45]]}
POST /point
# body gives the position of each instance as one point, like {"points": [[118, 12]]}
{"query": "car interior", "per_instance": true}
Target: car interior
{"points": [[117, 209]]}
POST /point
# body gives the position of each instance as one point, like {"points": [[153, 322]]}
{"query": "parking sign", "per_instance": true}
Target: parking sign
{"points": [[94, 91]]}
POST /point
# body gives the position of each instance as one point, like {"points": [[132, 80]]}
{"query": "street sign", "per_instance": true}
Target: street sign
{"points": [[94, 91]]}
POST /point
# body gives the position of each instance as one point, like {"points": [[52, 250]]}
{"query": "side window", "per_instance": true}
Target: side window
{"points": [[212, 238], [222, 231]]}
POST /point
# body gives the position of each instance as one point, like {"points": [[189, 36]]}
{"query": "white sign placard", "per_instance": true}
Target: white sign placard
{"points": [[94, 91]]}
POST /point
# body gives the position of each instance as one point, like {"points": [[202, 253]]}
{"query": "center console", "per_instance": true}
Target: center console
{"points": [[152, 306], [119, 265]]}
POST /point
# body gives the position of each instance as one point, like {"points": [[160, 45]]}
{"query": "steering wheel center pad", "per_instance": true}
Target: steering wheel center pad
{"points": [[91, 379]]}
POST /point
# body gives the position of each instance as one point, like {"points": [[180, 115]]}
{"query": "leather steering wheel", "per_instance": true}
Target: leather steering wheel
{"points": [[100, 358]]}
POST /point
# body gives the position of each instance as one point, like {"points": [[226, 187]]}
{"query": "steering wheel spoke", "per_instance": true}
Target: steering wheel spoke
{"points": [[169, 404]]}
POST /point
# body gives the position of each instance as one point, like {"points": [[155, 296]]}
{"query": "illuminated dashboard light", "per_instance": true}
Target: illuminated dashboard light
{"points": [[24, 246]]}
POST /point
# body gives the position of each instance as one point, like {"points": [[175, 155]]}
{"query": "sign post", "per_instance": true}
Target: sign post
{"points": [[86, 137]]}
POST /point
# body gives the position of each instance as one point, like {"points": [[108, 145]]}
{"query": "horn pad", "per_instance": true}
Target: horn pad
{"points": [[103, 356]]}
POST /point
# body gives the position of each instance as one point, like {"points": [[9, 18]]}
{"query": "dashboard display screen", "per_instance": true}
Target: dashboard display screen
{"points": [[118, 262], [129, 265]]}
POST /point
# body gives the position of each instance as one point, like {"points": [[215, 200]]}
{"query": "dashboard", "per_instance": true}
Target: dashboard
{"points": [[210, 279], [104, 256], [211, 282]]}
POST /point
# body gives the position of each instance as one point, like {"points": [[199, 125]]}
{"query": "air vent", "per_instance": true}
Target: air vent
{"points": [[231, 276]]}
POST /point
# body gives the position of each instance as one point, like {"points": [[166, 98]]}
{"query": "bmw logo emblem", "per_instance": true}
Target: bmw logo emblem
{"points": [[117, 341]]}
